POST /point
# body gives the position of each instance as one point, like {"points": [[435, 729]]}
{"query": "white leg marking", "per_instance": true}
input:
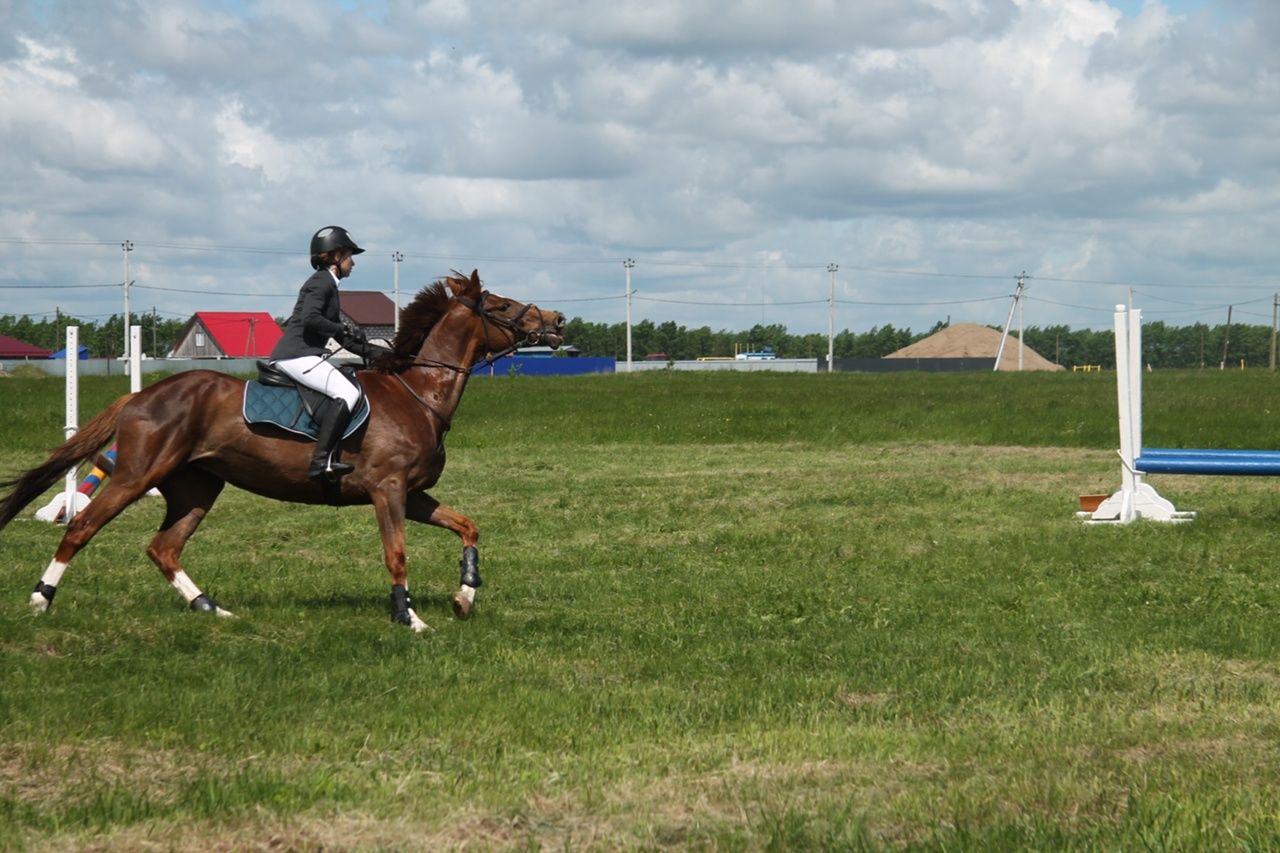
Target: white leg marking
{"points": [[467, 592], [53, 574], [417, 624], [185, 586]]}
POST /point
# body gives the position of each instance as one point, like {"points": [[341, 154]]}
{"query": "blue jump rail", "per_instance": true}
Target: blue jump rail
{"points": [[1176, 460]]}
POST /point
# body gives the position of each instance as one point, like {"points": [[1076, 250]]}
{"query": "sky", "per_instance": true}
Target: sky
{"points": [[931, 151]]}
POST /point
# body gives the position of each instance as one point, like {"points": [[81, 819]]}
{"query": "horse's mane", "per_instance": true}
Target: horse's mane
{"points": [[417, 319]]}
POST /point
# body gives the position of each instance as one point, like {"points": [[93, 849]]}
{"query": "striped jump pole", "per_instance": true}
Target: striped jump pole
{"points": [[73, 497]]}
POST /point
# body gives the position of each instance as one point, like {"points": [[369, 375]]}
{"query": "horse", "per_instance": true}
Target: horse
{"points": [[187, 437]]}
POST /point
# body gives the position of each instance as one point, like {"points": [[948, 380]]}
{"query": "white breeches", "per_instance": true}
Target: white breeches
{"points": [[318, 374]]}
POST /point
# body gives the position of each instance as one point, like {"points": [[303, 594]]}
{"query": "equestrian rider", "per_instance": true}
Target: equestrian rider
{"points": [[300, 353]]}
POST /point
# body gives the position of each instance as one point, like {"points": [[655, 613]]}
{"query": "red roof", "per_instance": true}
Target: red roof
{"points": [[14, 348], [368, 307], [241, 334]]}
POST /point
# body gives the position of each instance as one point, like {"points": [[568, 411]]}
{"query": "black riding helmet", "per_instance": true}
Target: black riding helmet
{"points": [[329, 238]]}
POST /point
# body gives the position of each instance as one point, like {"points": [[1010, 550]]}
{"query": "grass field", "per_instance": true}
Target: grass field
{"points": [[721, 611]]}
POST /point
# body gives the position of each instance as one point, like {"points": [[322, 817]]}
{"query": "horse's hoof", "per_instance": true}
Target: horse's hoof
{"points": [[42, 597], [204, 604], [463, 601], [410, 618]]}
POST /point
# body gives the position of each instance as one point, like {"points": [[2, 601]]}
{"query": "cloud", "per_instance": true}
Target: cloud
{"points": [[733, 149]]}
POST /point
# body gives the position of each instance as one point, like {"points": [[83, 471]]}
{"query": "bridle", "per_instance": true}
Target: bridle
{"points": [[510, 324], [512, 327]]}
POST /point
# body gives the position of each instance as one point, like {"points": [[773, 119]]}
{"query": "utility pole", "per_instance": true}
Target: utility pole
{"points": [[396, 258], [1226, 339], [1021, 305], [127, 246], [628, 264], [1275, 306], [1004, 336], [831, 319]]}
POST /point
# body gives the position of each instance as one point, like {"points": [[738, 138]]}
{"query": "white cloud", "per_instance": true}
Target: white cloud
{"points": [[973, 137]]}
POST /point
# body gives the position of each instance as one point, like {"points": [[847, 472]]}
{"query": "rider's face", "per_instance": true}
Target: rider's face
{"points": [[345, 264]]}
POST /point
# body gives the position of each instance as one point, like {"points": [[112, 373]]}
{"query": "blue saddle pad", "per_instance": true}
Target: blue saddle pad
{"points": [[272, 404]]}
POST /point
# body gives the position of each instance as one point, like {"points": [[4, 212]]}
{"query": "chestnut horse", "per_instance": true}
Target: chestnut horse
{"points": [[186, 436]]}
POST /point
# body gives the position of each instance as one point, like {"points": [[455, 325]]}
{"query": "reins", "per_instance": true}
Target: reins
{"points": [[510, 324], [446, 420]]}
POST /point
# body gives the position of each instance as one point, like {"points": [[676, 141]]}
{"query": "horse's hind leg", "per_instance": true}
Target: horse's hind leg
{"points": [[389, 507], [426, 509], [189, 493], [115, 496]]}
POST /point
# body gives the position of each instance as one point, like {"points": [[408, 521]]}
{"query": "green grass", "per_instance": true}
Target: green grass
{"points": [[721, 611]]}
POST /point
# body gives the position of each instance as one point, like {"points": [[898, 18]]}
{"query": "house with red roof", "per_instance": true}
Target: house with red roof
{"points": [[371, 310], [14, 348], [228, 334]]}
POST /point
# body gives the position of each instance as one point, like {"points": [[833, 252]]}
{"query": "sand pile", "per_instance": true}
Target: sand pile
{"points": [[969, 340]]}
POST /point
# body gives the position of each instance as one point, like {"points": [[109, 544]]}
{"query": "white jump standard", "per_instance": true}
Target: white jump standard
{"points": [[1136, 498]]}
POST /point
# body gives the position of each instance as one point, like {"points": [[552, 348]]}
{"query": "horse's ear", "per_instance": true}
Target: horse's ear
{"points": [[460, 284]]}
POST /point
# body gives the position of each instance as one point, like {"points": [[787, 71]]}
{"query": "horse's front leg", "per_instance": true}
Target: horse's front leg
{"points": [[389, 507], [426, 509]]}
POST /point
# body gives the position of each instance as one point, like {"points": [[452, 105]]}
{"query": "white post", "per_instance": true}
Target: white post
{"points": [[1129, 394], [1136, 498], [831, 319], [627, 265], [73, 412], [396, 258], [135, 359]]}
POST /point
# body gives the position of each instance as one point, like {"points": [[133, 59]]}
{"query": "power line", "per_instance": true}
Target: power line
{"points": [[650, 262], [57, 286], [921, 304]]}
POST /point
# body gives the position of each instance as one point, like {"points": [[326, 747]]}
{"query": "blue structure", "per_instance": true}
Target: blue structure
{"points": [[538, 365], [83, 350]]}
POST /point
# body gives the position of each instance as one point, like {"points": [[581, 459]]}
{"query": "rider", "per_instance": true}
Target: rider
{"points": [[300, 353]]}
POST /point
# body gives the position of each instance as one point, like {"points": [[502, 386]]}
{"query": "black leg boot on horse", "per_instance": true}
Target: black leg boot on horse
{"points": [[325, 465]]}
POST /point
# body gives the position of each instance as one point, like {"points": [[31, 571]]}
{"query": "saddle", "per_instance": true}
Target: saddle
{"points": [[274, 398]]}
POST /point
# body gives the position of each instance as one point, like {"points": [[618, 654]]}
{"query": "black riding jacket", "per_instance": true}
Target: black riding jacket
{"points": [[316, 318]]}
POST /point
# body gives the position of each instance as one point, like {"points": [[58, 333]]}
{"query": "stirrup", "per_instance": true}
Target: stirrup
{"points": [[332, 472]]}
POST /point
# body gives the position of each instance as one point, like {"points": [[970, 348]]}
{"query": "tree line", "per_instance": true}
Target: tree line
{"points": [[1197, 345], [104, 340]]}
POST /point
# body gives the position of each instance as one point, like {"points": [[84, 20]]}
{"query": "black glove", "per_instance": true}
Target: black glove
{"points": [[353, 337]]}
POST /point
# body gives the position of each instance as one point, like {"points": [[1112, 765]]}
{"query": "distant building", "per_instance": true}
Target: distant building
{"points": [[974, 342], [371, 310], [567, 351], [228, 334], [14, 348]]}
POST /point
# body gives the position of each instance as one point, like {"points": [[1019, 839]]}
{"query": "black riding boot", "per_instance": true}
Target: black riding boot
{"points": [[334, 418]]}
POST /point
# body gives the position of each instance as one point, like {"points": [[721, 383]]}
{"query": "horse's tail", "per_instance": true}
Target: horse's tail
{"points": [[87, 441]]}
